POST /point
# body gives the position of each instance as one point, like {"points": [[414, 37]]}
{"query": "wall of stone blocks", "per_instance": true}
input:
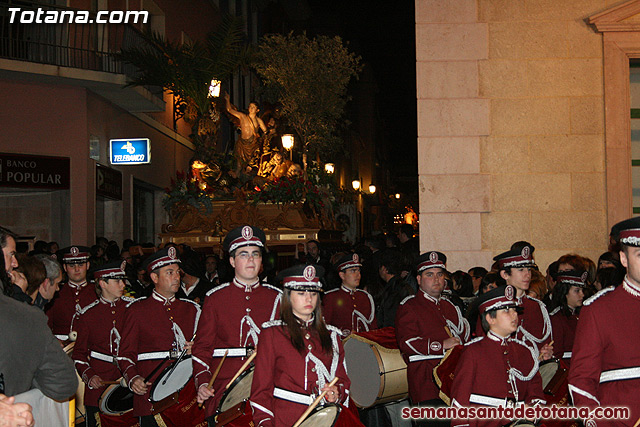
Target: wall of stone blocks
{"points": [[510, 128]]}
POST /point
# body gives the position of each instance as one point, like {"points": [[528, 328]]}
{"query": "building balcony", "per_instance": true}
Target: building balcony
{"points": [[73, 54]]}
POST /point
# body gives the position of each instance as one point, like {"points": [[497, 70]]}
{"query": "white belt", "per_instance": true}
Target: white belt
{"points": [[620, 374], [292, 396], [419, 357], [101, 356], [492, 401], [62, 337], [233, 352], [154, 355], [566, 355]]}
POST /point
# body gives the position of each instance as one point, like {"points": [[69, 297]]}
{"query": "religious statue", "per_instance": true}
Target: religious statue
{"points": [[248, 145]]}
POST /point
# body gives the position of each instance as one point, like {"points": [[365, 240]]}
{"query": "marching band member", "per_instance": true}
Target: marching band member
{"points": [[98, 338], [535, 326], [496, 370], [74, 295], [298, 355], [349, 308], [427, 325], [158, 328], [567, 298], [232, 315], [605, 364]]}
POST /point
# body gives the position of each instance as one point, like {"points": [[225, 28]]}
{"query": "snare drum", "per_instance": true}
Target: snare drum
{"points": [[238, 392], [331, 415], [233, 410], [323, 416], [81, 410], [548, 370], [378, 374], [116, 400], [171, 380]]}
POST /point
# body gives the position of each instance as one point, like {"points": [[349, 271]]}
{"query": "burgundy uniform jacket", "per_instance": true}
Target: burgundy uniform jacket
{"points": [[421, 324], [153, 327], [564, 332], [535, 325], [232, 316], [605, 365], [349, 311], [285, 382], [70, 300], [492, 370], [98, 326]]}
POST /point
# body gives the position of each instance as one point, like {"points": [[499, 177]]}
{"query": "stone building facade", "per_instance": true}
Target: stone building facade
{"points": [[513, 139]]}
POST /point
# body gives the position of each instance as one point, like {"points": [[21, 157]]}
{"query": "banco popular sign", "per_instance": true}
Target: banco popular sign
{"points": [[130, 151], [27, 171]]}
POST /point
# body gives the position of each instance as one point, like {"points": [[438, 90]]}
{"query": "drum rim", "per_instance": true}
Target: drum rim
{"points": [[233, 384], [104, 393], [164, 371]]}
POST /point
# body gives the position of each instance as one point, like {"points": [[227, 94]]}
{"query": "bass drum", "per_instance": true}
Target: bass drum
{"points": [[378, 374]]}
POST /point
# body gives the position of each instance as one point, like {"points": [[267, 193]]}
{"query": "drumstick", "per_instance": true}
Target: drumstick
{"points": [[215, 375], [242, 368], [110, 382], [550, 344], [180, 357], [637, 423], [315, 403], [69, 348], [448, 331]]}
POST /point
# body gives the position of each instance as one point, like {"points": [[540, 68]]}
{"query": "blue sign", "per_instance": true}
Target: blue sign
{"points": [[130, 151]]}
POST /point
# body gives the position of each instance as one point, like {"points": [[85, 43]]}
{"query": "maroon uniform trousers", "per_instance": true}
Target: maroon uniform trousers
{"points": [[535, 325], [421, 328], [349, 310], [69, 301], [605, 364], [564, 332], [232, 316], [285, 381], [153, 327], [486, 376], [97, 326]]}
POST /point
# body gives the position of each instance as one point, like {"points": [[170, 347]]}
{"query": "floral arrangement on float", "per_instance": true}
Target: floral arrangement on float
{"points": [[186, 190]]}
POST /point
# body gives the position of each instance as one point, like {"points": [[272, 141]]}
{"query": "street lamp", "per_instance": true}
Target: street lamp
{"points": [[397, 195], [356, 184], [329, 167], [372, 188], [214, 88], [287, 143]]}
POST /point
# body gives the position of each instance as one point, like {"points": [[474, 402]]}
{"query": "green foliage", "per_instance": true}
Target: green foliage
{"points": [[309, 78]]}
